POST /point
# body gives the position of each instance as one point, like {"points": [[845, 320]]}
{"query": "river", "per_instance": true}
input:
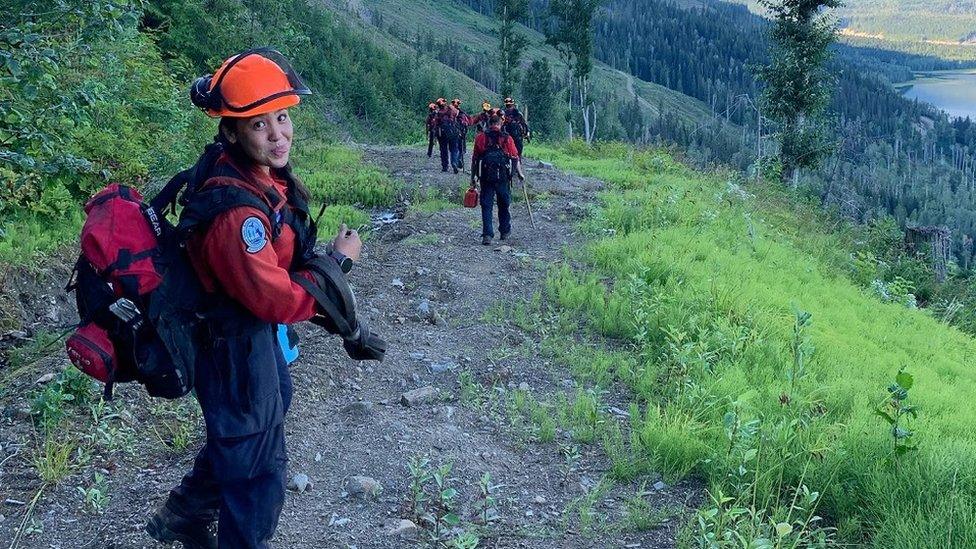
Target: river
{"points": [[952, 91]]}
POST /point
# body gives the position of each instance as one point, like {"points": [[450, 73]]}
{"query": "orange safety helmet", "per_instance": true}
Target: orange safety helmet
{"points": [[255, 82], [486, 106]]}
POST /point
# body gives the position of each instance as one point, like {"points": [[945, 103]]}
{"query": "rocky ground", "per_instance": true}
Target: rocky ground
{"points": [[430, 288]]}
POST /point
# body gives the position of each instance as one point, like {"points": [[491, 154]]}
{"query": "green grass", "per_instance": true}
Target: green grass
{"points": [[700, 279], [337, 175], [25, 237]]}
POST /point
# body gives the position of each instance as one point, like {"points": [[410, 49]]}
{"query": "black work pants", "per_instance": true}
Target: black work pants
{"points": [[450, 152], [519, 143], [244, 389], [489, 191]]}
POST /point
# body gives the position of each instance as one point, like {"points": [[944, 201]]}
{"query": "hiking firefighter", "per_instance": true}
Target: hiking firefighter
{"points": [[448, 136], [463, 120], [494, 160], [431, 117], [257, 265], [480, 121], [515, 124]]}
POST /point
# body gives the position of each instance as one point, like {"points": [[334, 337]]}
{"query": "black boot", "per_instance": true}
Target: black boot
{"points": [[167, 527]]}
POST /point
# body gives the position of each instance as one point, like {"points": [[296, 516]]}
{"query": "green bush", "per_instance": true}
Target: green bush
{"points": [[336, 175]]}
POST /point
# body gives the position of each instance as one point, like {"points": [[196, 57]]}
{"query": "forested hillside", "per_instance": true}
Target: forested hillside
{"points": [[893, 156], [945, 27], [466, 41]]}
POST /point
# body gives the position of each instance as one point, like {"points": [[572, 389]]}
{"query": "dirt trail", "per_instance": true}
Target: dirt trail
{"points": [[426, 283]]}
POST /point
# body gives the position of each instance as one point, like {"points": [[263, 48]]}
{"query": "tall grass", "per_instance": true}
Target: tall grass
{"points": [[701, 277], [337, 175]]}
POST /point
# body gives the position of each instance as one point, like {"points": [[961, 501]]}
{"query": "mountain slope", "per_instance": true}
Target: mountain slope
{"points": [[946, 26], [471, 36]]}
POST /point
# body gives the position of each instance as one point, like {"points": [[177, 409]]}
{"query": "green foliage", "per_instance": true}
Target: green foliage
{"points": [[52, 459], [538, 98], [511, 42], [797, 85], [641, 516], [70, 388], [582, 511], [86, 98], [376, 94], [334, 216], [433, 502], [571, 34], [337, 175], [896, 412], [96, 496]]}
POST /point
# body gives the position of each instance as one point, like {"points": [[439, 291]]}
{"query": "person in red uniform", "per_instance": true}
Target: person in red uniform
{"points": [[448, 136], [256, 260], [493, 162], [464, 121], [480, 121]]}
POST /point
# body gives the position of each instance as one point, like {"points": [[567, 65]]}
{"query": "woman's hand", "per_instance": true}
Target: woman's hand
{"points": [[347, 243]]}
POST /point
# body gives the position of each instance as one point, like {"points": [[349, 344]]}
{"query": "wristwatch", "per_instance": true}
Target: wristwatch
{"points": [[345, 264]]}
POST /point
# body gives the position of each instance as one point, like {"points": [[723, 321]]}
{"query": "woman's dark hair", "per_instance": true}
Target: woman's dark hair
{"points": [[240, 157], [494, 120]]}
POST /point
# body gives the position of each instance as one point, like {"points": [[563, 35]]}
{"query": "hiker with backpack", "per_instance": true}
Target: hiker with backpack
{"points": [[480, 121], [200, 305], [493, 162], [515, 124], [463, 120], [431, 117], [448, 136]]}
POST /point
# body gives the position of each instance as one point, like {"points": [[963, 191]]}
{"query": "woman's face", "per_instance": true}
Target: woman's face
{"points": [[266, 138]]}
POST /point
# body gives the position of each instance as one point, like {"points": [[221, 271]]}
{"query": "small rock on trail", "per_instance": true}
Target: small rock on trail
{"points": [[419, 396]]}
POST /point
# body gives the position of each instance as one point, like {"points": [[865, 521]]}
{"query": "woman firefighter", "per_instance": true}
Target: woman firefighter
{"points": [[250, 241]]}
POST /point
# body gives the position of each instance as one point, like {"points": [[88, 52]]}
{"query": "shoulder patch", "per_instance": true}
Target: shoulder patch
{"points": [[254, 235]]}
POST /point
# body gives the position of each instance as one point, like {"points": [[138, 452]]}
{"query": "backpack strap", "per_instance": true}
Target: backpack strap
{"points": [[189, 179], [207, 204], [330, 291]]}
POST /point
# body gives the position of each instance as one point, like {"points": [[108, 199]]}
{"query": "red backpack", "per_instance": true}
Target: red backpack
{"points": [[116, 270], [136, 293]]}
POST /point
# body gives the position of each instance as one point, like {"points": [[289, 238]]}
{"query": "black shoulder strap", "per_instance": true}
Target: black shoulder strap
{"points": [[327, 274], [204, 205], [494, 137], [190, 179]]}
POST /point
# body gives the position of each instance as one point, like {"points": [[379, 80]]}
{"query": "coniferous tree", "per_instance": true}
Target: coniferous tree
{"points": [[797, 84], [571, 33], [537, 96], [512, 42]]}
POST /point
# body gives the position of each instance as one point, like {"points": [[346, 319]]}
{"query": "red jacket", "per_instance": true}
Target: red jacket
{"points": [[505, 141], [234, 257]]}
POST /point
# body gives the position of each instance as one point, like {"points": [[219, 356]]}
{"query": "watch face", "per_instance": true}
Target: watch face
{"points": [[345, 264]]}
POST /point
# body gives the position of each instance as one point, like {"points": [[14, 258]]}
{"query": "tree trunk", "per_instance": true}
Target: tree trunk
{"points": [[584, 108]]}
